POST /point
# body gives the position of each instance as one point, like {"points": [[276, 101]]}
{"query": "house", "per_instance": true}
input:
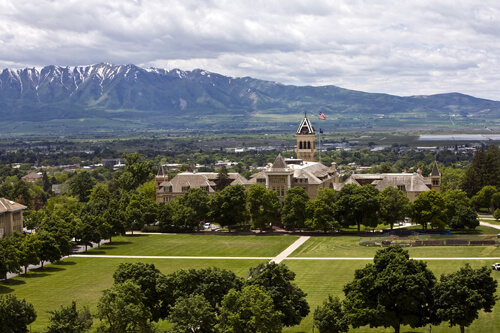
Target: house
{"points": [[11, 217], [32, 177]]}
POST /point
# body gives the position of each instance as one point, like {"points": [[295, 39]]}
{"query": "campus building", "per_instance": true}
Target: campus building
{"points": [[303, 171], [11, 217], [167, 190], [411, 184]]}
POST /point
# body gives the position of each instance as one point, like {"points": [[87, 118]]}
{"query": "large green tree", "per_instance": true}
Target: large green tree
{"points": [[250, 310], [81, 184], [69, 320], [321, 211], [121, 309], [461, 295], [330, 317], [228, 206], [263, 206], [15, 314], [288, 298], [212, 283], [484, 170], [391, 292], [394, 206], [358, 205], [428, 207], [192, 314], [148, 278], [294, 212]]}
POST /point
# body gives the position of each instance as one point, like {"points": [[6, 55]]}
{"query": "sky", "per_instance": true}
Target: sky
{"points": [[397, 47]]}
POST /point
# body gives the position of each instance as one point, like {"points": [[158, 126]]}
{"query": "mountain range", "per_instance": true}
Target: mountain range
{"points": [[106, 98]]}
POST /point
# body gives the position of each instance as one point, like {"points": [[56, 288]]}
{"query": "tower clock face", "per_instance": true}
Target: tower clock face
{"points": [[304, 130]]}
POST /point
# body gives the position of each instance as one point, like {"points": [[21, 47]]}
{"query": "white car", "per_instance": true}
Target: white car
{"points": [[207, 225], [496, 266]]}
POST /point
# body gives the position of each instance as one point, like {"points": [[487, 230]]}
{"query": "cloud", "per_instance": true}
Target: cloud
{"points": [[385, 46]]}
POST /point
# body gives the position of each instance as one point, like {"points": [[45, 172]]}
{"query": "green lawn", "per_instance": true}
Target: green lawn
{"points": [[196, 245], [348, 247], [83, 279], [320, 278]]}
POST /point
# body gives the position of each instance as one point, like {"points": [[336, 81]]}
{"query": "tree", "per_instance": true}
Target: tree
{"points": [[15, 314], [121, 308], [147, 277], [223, 179], [228, 206], [465, 217], [288, 298], [183, 215], [496, 214], [81, 184], [69, 320], [394, 206], [263, 206], [453, 199], [391, 292], [330, 318], [211, 283], [9, 257], [428, 207], [358, 205], [294, 212], [321, 211], [250, 310], [484, 198], [198, 200], [192, 314], [483, 170], [140, 169], [29, 250], [49, 250], [461, 295]]}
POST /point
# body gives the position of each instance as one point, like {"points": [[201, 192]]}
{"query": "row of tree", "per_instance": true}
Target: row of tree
{"points": [[394, 291]]}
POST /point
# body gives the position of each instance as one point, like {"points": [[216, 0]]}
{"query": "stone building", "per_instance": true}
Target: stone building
{"points": [[167, 190], [11, 217], [412, 184]]}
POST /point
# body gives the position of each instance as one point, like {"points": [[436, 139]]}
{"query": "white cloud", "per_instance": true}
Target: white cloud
{"points": [[397, 47]]}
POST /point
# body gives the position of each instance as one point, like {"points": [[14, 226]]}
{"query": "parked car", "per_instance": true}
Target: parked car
{"points": [[496, 266], [207, 225], [498, 235]]}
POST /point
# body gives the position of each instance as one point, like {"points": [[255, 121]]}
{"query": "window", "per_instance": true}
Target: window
{"points": [[402, 188], [435, 182], [185, 188]]}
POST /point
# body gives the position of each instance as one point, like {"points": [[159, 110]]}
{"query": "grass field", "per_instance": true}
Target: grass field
{"points": [[83, 279], [196, 245]]}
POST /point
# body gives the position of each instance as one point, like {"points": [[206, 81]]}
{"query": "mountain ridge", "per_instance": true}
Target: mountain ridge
{"points": [[107, 97]]}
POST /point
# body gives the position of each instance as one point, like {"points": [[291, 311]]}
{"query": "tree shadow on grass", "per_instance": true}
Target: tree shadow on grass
{"points": [[115, 243], [64, 263], [4, 285], [49, 269], [136, 235]]}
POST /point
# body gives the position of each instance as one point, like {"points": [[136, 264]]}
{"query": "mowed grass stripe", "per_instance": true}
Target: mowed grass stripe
{"points": [[348, 247], [195, 245]]}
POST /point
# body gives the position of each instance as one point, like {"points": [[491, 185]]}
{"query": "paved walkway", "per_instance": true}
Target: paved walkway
{"points": [[283, 255], [486, 224], [74, 249]]}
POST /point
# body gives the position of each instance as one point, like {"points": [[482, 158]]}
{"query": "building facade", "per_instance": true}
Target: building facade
{"points": [[11, 217]]}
